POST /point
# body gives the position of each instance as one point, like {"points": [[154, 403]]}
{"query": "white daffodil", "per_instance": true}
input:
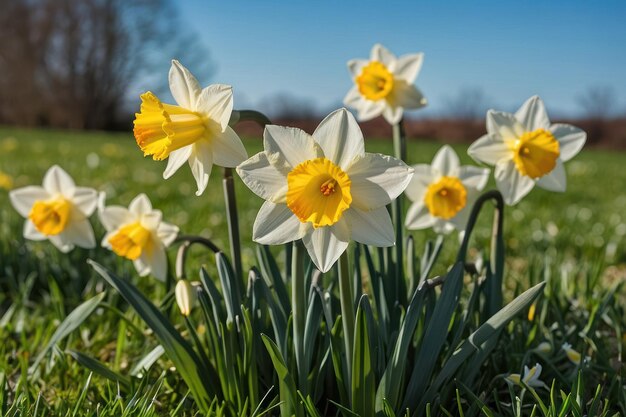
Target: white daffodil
{"points": [[185, 296], [58, 211], [527, 150], [196, 130], [531, 377], [137, 233], [574, 356], [384, 85], [443, 192], [323, 188]]}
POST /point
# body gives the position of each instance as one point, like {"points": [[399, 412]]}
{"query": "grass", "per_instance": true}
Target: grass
{"points": [[575, 240]]}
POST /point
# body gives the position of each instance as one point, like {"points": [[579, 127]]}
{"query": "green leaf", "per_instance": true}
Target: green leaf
{"points": [[178, 350], [363, 379], [71, 322], [290, 405], [230, 286], [99, 368], [147, 361]]}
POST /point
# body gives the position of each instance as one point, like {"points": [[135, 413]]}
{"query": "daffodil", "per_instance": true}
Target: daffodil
{"points": [[138, 233], [544, 348], [185, 296], [58, 211], [530, 378], [384, 85], [323, 188], [574, 356], [442, 193], [195, 130], [527, 149]]}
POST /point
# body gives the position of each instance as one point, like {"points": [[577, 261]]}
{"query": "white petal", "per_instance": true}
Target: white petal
{"points": [[355, 66], [408, 67], [61, 243], [511, 183], [112, 217], [326, 244], [418, 217], [105, 240], [571, 139], [368, 109], [372, 227], [504, 125], [183, 85], [381, 54], [555, 180], [442, 226], [340, 137], [86, 200], [201, 162], [446, 162], [286, 147], [353, 98], [532, 115], [79, 233], [474, 177], [167, 233], [140, 205], [176, 159], [31, 232], [216, 103], [275, 224], [422, 178], [407, 96], [156, 260], [141, 266], [377, 180], [151, 220], [490, 149], [460, 220], [23, 199], [393, 114], [57, 181], [263, 178], [228, 150]]}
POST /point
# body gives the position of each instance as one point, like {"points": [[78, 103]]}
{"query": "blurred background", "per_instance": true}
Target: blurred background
{"points": [[81, 64]]}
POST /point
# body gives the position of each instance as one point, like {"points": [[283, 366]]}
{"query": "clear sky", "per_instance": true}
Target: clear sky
{"points": [[508, 49]]}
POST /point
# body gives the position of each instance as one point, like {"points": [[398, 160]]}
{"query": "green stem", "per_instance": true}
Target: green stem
{"points": [[228, 184], [250, 116], [298, 297], [347, 309], [399, 147]]}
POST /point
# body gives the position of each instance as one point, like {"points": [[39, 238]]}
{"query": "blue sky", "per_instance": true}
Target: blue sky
{"points": [[508, 49]]}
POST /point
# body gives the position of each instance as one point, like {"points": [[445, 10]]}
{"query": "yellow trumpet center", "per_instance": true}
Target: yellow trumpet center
{"points": [[131, 241], [162, 128], [318, 192], [446, 197], [375, 81], [50, 217], [535, 153]]}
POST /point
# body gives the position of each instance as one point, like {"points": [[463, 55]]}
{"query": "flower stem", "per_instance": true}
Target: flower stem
{"points": [[250, 116], [228, 183], [399, 147], [298, 298], [347, 309]]}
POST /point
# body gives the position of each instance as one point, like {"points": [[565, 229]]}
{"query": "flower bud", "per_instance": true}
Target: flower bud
{"points": [[185, 296]]}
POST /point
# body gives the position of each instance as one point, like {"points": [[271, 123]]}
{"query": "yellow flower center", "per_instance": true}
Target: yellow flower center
{"points": [[446, 197], [535, 153], [318, 192], [375, 81], [162, 128], [131, 240], [50, 217]]}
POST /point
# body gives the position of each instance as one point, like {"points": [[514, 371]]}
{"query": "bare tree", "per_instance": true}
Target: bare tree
{"points": [[287, 106], [598, 102], [470, 103]]}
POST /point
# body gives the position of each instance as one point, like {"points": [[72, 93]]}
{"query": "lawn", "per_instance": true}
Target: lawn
{"points": [[575, 240]]}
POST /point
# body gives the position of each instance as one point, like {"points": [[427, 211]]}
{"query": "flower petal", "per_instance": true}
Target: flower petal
{"points": [[504, 125], [183, 85], [340, 137], [263, 178], [571, 139], [112, 217], [377, 179], [442, 226], [80, 233], [326, 244], [474, 177], [216, 103], [201, 162], [418, 217], [355, 66], [555, 180], [176, 159], [141, 266], [152, 220], [275, 224], [140, 205], [286, 147], [31, 232], [23, 199], [408, 96], [511, 183], [381, 54], [156, 261], [86, 200], [422, 178], [408, 67], [490, 149], [228, 150], [446, 162], [61, 242], [167, 233], [372, 227], [393, 114], [57, 181], [532, 115]]}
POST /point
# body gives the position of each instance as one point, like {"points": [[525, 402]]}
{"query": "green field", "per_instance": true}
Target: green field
{"points": [[576, 239]]}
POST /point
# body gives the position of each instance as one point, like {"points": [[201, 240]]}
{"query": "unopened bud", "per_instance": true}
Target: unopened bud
{"points": [[185, 296]]}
